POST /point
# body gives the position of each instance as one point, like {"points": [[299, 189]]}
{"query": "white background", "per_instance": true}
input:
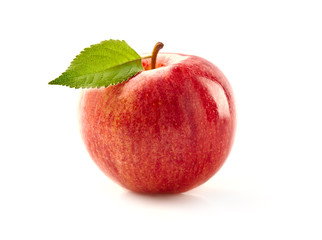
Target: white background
{"points": [[270, 186]]}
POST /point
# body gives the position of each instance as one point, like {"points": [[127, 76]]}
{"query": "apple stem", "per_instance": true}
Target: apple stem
{"points": [[156, 49]]}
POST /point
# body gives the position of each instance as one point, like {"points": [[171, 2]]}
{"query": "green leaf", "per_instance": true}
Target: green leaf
{"points": [[103, 64]]}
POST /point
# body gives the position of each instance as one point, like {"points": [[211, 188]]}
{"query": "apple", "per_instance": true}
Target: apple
{"points": [[166, 130]]}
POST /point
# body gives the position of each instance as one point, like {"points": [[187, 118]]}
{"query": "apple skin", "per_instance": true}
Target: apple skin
{"points": [[165, 130]]}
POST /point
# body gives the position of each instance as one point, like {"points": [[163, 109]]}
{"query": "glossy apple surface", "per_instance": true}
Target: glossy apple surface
{"points": [[166, 130]]}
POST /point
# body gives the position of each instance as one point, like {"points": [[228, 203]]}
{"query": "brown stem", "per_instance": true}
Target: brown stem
{"points": [[156, 49]]}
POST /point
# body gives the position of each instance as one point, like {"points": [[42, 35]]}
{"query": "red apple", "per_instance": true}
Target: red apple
{"points": [[166, 130]]}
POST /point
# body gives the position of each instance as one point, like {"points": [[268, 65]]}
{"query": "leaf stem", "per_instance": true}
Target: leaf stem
{"points": [[145, 57], [156, 49]]}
